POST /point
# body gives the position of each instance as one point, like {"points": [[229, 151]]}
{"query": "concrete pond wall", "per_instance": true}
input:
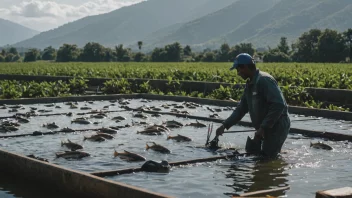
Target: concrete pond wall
{"points": [[74, 183]]}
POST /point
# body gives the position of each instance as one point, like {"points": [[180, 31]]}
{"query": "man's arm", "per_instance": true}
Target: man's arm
{"points": [[275, 101], [238, 113]]}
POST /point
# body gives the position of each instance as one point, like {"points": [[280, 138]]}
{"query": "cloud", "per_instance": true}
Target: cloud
{"points": [[37, 8], [59, 13]]}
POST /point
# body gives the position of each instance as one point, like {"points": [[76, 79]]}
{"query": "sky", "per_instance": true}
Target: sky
{"points": [[43, 15]]}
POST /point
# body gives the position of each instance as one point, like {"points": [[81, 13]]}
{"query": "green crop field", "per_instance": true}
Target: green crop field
{"points": [[298, 74]]}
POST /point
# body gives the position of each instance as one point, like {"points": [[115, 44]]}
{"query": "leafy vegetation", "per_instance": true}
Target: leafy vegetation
{"points": [[337, 76]]}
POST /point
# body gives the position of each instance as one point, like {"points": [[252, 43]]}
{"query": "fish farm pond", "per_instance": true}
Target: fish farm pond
{"points": [[305, 169]]}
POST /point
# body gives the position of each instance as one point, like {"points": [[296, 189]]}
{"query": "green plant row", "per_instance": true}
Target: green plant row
{"points": [[337, 76], [295, 96]]}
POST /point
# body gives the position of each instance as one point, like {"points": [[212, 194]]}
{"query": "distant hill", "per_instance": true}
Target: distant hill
{"points": [[201, 23], [291, 18], [123, 26], [12, 32], [217, 23]]}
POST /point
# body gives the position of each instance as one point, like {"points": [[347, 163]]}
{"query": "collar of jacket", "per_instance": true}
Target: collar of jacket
{"points": [[254, 79]]}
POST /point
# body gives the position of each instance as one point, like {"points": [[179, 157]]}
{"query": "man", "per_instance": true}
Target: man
{"points": [[266, 105]]}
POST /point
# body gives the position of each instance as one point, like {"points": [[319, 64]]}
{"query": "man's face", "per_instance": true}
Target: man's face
{"points": [[241, 71]]}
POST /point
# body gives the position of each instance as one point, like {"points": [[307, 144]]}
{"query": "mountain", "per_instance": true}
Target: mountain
{"points": [[291, 18], [217, 23], [200, 23], [123, 26], [12, 32]]}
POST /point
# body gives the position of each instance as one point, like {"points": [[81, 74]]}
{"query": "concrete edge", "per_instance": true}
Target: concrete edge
{"points": [[338, 115], [71, 181]]}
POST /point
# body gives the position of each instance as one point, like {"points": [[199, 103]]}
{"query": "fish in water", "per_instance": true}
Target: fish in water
{"points": [[320, 145], [67, 130], [71, 145], [94, 138], [72, 154], [152, 131], [108, 130], [129, 156], [119, 118], [196, 124], [153, 166], [105, 135], [81, 121], [173, 122], [52, 125], [157, 147], [179, 138]]}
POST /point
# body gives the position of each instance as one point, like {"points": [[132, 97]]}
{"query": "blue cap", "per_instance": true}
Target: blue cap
{"points": [[242, 59]]}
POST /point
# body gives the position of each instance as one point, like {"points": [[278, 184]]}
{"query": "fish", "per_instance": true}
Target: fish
{"points": [[81, 121], [71, 145], [108, 130], [51, 125], [179, 138], [66, 129], [72, 154], [158, 148], [58, 107], [38, 158], [154, 131], [129, 156], [158, 128], [85, 108], [105, 135], [140, 115], [173, 122], [73, 107], [33, 108], [98, 116], [320, 145], [94, 138], [196, 124], [10, 128], [49, 105], [118, 118]]}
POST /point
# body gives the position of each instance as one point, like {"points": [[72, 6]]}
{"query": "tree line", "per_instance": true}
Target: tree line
{"points": [[312, 46]]}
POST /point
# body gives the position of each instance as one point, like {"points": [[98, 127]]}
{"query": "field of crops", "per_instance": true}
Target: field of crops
{"points": [[299, 74]]}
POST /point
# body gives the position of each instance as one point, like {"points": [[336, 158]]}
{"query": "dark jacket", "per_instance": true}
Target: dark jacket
{"points": [[263, 100]]}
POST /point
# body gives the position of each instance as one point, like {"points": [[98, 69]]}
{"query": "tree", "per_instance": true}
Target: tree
{"points": [[208, 57], [9, 57], [68, 53], [122, 53], [140, 43], [283, 46], [13, 51], [3, 52], [348, 38], [306, 47], [241, 48], [93, 52], [49, 53], [138, 57], [2, 58], [187, 51], [223, 53], [109, 55], [331, 46], [174, 52], [31, 55], [159, 55], [16, 58], [274, 56]]}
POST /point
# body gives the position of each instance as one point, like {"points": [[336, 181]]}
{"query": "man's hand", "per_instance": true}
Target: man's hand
{"points": [[220, 130], [260, 133]]}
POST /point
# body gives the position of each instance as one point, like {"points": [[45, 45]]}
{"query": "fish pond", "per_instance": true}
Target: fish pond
{"points": [[305, 169]]}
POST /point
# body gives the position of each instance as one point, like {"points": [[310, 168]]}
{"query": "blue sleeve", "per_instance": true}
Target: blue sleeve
{"points": [[238, 113], [275, 100]]}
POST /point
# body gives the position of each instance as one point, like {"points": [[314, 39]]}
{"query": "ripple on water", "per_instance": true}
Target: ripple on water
{"points": [[299, 164]]}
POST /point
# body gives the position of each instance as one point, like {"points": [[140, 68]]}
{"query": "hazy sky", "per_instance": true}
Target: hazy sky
{"points": [[43, 15]]}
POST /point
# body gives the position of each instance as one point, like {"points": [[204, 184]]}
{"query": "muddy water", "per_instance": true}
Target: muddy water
{"points": [[305, 169]]}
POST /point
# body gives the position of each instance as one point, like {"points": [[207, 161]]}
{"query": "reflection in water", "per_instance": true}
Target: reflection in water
{"points": [[252, 174]]}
